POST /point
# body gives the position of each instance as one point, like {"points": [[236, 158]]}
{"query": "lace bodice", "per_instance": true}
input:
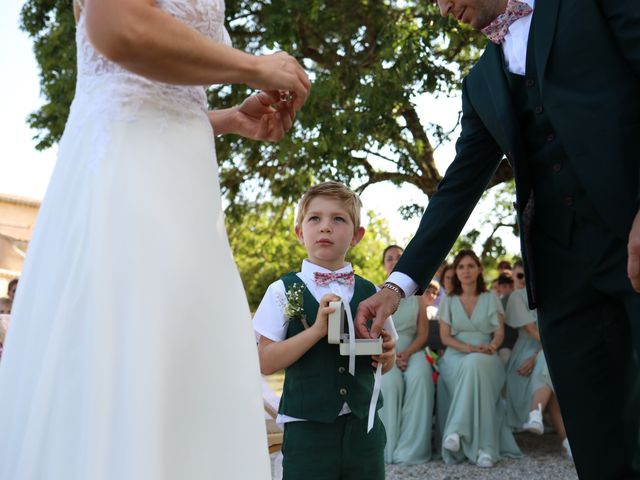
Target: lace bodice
{"points": [[113, 87]]}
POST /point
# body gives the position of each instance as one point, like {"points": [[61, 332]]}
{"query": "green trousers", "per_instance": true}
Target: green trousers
{"points": [[589, 319], [341, 450]]}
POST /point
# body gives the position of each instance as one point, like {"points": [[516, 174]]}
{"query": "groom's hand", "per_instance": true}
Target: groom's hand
{"points": [[633, 250], [377, 307]]}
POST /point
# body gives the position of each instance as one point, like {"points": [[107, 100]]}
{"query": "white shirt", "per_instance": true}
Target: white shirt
{"points": [[271, 322], [514, 48], [514, 45]]}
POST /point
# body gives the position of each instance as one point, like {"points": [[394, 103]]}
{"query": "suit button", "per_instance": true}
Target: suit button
{"points": [[551, 137], [530, 82], [343, 391], [568, 200], [539, 109], [341, 369]]}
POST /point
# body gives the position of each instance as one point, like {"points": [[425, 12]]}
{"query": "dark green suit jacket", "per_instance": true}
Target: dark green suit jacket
{"points": [[587, 56]]}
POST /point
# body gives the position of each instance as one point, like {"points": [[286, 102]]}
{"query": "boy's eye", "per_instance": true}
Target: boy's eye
{"points": [[313, 218], [340, 219]]}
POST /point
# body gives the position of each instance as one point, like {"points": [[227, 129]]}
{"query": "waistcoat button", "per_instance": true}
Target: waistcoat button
{"points": [[343, 391], [341, 369]]}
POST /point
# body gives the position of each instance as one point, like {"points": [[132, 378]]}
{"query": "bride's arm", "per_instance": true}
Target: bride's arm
{"points": [[144, 39]]}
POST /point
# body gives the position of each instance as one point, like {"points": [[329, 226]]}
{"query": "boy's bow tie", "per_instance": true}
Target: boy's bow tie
{"points": [[322, 278], [497, 30]]}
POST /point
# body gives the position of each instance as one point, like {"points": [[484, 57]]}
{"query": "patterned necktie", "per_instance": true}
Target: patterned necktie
{"points": [[322, 279], [497, 29]]}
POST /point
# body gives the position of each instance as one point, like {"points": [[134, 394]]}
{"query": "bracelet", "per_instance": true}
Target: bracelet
{"points": [[395, 289]]}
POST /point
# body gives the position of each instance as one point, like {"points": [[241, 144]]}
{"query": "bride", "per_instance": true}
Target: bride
{"points": [[130, 355]]}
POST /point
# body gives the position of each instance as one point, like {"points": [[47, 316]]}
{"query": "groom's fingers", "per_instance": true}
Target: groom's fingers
{"points": [[633, 270], [363, 314]]}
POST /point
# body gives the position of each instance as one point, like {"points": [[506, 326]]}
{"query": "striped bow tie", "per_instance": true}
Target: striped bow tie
{"points": [[497, 30], [326, 278]]}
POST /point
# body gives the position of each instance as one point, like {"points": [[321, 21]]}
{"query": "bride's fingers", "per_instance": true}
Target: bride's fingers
{"points": [[263, 128]]}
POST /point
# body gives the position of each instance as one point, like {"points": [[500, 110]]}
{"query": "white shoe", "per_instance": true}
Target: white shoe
{"points": [[452, 442], [534, 424], [484, 460], [567, 448]]}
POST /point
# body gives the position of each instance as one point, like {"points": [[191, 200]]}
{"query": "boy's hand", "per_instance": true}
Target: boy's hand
{"points": [[388, 356], [321, 324]]}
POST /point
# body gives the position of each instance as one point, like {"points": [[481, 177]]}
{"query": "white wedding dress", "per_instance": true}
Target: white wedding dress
{"points": [[131, 355]]}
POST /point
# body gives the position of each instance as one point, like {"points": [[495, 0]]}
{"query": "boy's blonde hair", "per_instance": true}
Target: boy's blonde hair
{"points": [[337, 191]]}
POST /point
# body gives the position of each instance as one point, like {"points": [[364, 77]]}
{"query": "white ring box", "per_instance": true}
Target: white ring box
{"points": [[337, 334]]}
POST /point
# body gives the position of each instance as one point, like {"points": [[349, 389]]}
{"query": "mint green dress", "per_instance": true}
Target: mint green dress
{"points": [[520, 389], [407, 411], [470, 383]]}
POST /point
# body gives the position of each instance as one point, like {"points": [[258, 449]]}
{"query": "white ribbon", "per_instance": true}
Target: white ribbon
{"points": [[377, 382], [352, 339], [377, 377]]}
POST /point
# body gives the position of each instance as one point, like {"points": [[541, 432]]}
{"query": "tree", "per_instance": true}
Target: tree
{"points": [[369, 59], [265, 248]]}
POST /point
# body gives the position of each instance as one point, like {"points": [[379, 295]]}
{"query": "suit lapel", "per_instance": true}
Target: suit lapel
{"points": [[507, 124], [544, 20]]}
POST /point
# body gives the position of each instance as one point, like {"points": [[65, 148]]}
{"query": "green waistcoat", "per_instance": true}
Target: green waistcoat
{"points": [[318, 383]]}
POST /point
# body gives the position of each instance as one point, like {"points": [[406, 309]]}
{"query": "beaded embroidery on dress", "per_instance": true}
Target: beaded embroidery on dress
{"points": [[131, 354]]}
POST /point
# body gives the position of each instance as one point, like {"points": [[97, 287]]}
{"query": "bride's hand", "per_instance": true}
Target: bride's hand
{"points": [[264, 116], [280, 71]]}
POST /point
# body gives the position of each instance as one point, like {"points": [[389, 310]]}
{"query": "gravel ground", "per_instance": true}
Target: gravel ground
{"points": [[543, 460]]}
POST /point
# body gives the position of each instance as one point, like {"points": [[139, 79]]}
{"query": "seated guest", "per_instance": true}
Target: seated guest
{"points": [[518, 275], [430, 294], [470, 415], [407, 389], [446, 280], [5, 311], [438, 278], [505, 287], [529, 388], [11, 288]]}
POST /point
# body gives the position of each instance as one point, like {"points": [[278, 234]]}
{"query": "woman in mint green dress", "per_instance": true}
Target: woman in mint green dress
{"points": [[470, 414], [408, 389], [523, 358], [529, 388]]}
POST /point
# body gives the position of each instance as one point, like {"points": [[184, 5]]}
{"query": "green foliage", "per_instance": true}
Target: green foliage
{"points": [[502, 215], [265, 248], [51, 25]]}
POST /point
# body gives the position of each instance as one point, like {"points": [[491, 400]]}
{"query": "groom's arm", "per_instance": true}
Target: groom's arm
{"points": [[477, 157], [623, 17]]}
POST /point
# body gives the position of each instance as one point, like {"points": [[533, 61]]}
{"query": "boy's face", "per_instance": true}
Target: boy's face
{"points": [[327, 232], [5, 308]]}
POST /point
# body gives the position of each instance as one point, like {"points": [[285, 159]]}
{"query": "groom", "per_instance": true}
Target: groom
{"points": [[557, 91]]}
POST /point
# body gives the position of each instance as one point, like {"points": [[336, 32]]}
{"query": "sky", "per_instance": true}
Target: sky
{"points": [[25, 172]]}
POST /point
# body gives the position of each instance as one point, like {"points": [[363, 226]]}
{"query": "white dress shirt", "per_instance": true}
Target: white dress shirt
{"points": [[514, 45], [271, 322], [514, 48]]}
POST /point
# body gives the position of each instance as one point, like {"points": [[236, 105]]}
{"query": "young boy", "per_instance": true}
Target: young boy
{"points": [[324, 408]]}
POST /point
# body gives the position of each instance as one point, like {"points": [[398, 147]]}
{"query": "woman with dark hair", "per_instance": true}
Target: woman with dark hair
{"points": [[408, 389], [471, 418]]}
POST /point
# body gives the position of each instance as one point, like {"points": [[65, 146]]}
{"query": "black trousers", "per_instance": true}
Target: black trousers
{"points": [[589, 320]]}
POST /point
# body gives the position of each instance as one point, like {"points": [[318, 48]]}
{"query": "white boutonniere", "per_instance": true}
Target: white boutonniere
{"points": [[293, 304]]}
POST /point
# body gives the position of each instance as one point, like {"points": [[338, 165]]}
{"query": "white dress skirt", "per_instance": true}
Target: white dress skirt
{"points": [[131, 354]]}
